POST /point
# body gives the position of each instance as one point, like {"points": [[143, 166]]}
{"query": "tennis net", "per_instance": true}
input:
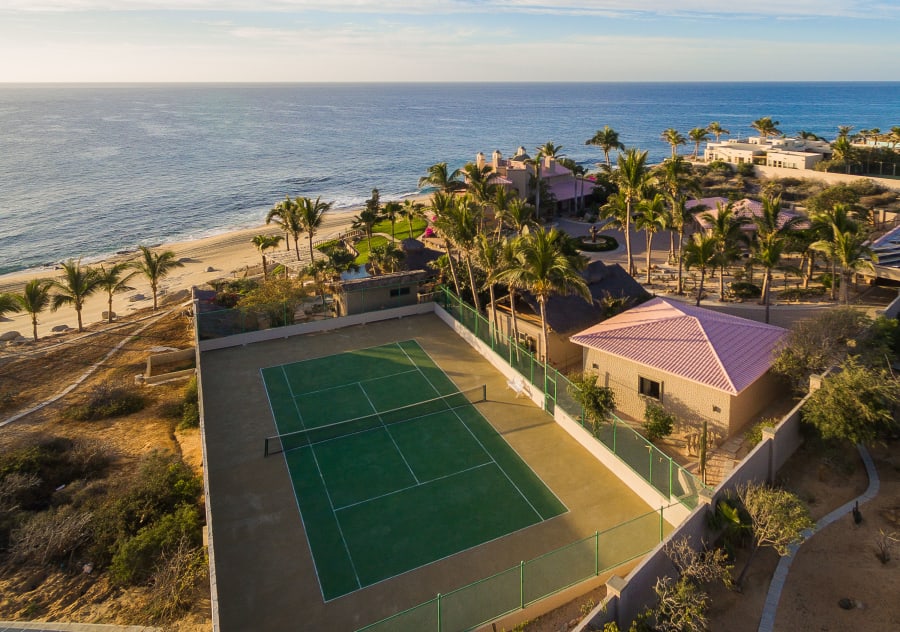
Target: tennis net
{"points": [[311, 436]]}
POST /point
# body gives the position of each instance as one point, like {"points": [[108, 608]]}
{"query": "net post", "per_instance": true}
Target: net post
{"points": [[439, 612], [660, 523], [522, 585]]}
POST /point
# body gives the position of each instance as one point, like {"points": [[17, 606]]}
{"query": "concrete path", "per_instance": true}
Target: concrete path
{"points": [[10, 626], [770, 609]]}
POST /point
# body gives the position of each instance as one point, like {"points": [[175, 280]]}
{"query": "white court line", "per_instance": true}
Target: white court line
{"points": [[386, 429]]}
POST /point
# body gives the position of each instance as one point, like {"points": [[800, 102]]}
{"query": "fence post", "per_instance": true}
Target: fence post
{"points": [[660, 523], [650, 471], [439, 612], [596, 553], [522, 585], [670, 479], [615, 431]]}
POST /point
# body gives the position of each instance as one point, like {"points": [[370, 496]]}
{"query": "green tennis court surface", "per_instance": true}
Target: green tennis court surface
{"points": [[415, 474]]}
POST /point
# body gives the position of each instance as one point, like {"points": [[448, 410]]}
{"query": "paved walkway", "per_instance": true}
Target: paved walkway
{"points": [[10, 626], [770, 609]]}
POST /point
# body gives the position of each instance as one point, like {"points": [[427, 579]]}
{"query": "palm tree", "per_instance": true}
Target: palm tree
{"points": [[544, 269], [410, 211], [286, 215], [674, 175], [487, 258], [76, 285], [390, 212], [806, 135], [727, 229], [651, 218], [156, 266], [606, 139], [844, 130], [700, 252], [263, 243], [766, 127], [508, 260], [632, 177], [518, 215], [113, 281], [767, 252], [34, 299], [842, 151], [440, 177], [310, 214], [674, 138], [697, 136], [442, 204], [459, 223], [8, 303], [716, 129], [368, 217], [772, 227], [849, 249], [385, 258], [828, 223]]}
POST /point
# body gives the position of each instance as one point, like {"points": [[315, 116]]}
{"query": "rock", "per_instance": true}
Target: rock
{"points": [[846, 604], [61, 328], [10, 335], [106, 315], [137, 297], [210, 269]]}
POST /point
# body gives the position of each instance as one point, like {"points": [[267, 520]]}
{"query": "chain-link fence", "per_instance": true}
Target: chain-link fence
{"points": [[639, 454], [528, 582]]}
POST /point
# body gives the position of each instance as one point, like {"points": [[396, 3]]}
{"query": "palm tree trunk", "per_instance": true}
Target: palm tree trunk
{"points": [[680, 288], [515, 321], [671, 256], [311, 258], [833, 279], [80, 327], [541, 301], [153, 289], [109, 313], [700, 288], [845, 286], [297, 246], [452, 267], [494, 319], [472, 283], [628, 237], [766, 283], [810, 265], [722, 283], [265, 269], [649, 250], [34, 326]]}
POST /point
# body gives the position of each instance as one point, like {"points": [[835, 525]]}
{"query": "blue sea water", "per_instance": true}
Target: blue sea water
{"points": [[86, 170]]}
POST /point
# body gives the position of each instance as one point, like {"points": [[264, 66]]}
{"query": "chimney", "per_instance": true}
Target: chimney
{"points": [[479, 159], [495, 159]]}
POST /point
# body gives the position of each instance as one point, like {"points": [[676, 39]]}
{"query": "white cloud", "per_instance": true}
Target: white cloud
{"points": [[873, 9]]}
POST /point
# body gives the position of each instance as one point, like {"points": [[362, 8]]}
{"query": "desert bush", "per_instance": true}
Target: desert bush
{"points": [[137, 557], [7, 399], [190, 407], [743, 289], [745, 169], [754, 435], [176, 580], [799, 293], [105, 401], [658, 422], [52, 535]]}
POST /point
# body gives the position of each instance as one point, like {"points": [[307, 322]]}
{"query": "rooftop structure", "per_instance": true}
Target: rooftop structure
{"points": [[791, 153]]}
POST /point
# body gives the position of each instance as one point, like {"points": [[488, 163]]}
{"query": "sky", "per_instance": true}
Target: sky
{"points": [[448, 40]]}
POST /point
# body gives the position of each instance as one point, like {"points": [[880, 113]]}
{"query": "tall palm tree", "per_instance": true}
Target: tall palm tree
{"points": [[310, 214], [700, 252], [368, 217], [263, 243], [715, 128], [391, 212], [411, 210], [544, 269], [766, 127], [632, 178], [508, 260], [8, 303], [459, 223], [440, 177], [34, 299], [850, 250], [156, 266], [442, 206], [674, 176], [651, 218], [727, 229], [606, 139], [767, 252], [679, 216], [772, 228], [487, 258], [518, 215], [697, 136], [827, 223], [76, 285], [286, 215], [114, 280], [550, 150], [843, 151], [674, 138], [385, 258]]}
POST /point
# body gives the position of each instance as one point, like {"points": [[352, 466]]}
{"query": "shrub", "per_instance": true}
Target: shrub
{"points": [[55, 534], [105, 401], [742, 289], [7, 399], [176, 580], [754, 435], [745, 169], [138, 556], [190, 408], [658, 422], [799, 294]]}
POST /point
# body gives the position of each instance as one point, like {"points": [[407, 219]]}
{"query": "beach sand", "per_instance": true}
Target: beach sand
{"points": [[228, 255]]}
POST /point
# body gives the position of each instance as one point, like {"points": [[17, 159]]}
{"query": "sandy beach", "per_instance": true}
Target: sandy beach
{"points": [[224, 255]]}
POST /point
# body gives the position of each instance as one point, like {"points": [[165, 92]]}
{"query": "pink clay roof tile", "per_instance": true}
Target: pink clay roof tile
{"points": [[725, 352]]}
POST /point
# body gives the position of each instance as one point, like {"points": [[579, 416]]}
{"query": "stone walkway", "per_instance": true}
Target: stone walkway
{"points": [[770, 609]]}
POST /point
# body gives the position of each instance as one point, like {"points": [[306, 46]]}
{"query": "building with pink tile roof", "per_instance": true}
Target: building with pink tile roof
{"points": [[698, 363]]}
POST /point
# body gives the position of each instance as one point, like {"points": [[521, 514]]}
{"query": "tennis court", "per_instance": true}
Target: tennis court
{"points": [[392, 466]]}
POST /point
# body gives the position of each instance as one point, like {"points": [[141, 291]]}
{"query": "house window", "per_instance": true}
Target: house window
{"points": [[649, 388], [399, 291]]}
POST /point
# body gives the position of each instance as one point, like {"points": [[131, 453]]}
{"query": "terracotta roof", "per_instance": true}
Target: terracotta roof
{"points": [[725, 352]]}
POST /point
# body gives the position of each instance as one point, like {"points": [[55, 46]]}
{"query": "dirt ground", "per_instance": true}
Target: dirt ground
{"points": [[837, 562], [32, 373]]}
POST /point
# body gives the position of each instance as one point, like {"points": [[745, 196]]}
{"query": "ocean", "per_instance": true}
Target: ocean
{"points": [[88, 170]]}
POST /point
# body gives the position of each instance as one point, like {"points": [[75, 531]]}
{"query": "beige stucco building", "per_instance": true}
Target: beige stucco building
{"points": [[786, 153], [696, 363]]}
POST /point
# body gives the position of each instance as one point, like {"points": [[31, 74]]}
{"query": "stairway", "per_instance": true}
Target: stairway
{"points": [[721, 461]]}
